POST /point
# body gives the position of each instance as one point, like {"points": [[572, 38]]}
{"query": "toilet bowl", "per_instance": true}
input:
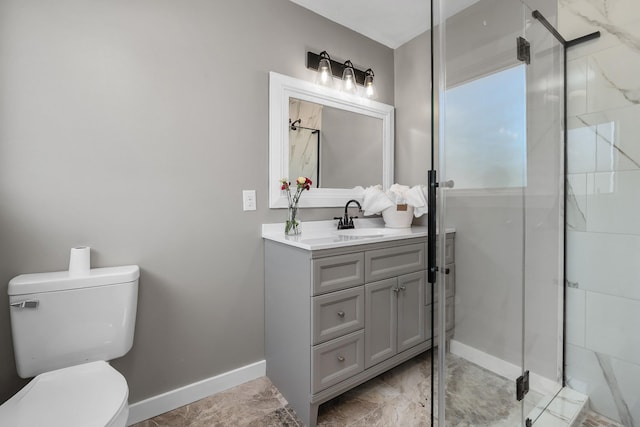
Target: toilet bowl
{"points": [[65, 328], [88, 395]]}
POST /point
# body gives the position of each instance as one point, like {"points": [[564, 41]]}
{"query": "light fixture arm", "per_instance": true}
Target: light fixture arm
{"points": [[337, 68]]}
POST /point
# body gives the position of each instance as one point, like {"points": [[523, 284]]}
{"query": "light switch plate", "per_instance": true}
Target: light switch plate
{"points": [[249, 200]]}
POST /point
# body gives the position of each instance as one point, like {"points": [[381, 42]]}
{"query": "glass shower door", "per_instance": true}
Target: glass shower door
{"points": [[482, 150], [544, 211], [500, 152]]}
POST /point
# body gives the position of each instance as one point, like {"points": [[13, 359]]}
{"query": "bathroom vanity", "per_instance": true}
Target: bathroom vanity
{"points": [[344, 307]]}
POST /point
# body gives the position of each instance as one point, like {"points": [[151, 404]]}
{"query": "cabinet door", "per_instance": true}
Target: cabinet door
{"points": [[380, 321], [411, 309]]}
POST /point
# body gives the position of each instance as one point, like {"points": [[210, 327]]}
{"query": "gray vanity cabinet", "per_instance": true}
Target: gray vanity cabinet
{"points": [[335, 318]]}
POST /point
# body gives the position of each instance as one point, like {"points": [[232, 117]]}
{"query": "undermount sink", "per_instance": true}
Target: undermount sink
{"points": [[364, 232]]}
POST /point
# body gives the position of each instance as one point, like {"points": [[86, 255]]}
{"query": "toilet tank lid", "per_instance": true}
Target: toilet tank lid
{"points": [[62, 280]]}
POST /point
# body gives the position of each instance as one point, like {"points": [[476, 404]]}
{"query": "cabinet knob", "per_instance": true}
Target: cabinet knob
{"points": [[340, 358], [396, 290], [403, 288], [341, 314]]}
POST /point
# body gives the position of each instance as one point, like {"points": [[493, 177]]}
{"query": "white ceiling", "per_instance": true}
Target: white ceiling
{"points": [[390, 22]]}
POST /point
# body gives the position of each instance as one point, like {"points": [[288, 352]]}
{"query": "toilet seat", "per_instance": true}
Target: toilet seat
{"points": [[87, 395]]}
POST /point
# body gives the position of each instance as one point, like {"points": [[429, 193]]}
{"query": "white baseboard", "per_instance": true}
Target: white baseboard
{"points": [[190, 393], [503, 368]]}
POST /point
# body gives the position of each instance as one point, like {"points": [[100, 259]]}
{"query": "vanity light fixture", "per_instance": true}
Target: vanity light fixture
{"points": [[369, 89], [327, 67], [325, 76], [349, 79]]}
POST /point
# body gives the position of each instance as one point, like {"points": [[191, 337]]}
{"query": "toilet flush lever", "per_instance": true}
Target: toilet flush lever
{"points": [[30, 303]]}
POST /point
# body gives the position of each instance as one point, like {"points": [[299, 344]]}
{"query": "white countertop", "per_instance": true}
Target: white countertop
{"points": [[317, 235]]}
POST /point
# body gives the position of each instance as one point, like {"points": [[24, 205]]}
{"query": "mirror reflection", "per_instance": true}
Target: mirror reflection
{"points": [[335, 148]]}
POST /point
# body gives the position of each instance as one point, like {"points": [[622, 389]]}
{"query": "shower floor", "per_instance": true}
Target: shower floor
{"points": [[592, 419], [401, 397]]}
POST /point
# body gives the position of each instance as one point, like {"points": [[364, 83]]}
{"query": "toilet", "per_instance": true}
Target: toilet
{"points": [[65, 328]]}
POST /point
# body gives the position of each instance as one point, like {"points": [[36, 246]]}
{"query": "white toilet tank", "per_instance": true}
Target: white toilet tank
{"points": [[58, 320]]}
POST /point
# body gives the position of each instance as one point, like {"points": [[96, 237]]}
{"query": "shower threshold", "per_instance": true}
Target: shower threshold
{"points": [[565, 409]]}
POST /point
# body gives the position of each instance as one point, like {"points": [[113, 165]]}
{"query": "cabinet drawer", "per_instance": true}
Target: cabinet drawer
{"points": [[450, 251], [450, 285], [337, 313], [337, 272], [389, 262], [337, 360], [450, 320]]}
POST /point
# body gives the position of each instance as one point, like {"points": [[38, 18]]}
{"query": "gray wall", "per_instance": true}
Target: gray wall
{"points": [[132, 127], [489, 291], [413, 110]]}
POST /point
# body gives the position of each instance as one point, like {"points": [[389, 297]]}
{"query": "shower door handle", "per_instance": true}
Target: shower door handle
{"points": [[431, 227]]}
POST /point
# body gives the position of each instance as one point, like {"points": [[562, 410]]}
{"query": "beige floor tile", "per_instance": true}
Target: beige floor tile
{"points": [[399, 397]]}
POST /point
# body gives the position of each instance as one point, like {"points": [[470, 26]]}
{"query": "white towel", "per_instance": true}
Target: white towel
{"points": [[375, 200], [416, 197], [396, 194]]}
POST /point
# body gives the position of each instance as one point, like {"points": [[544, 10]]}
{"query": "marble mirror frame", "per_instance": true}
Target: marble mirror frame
{"points": [[281, 89]]}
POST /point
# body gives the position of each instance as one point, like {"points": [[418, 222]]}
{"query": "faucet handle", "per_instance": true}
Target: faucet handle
{"points": [[343, 223]]}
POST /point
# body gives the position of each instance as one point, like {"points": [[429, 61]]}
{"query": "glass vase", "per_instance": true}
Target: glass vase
{"points": [[292, 225]]}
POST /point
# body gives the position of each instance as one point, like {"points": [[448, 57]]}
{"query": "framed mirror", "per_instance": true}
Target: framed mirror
{"points": [[343, 141]]}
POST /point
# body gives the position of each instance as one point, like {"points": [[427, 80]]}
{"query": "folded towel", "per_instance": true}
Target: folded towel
{"points": [[416, 197], [375, 200]]}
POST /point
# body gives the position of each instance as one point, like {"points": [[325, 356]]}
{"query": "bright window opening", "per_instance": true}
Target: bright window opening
{"points": [[486, 131]]}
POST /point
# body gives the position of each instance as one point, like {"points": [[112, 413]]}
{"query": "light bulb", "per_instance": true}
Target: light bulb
{"points": [[349, 79], [324, 77], [369, 88]]}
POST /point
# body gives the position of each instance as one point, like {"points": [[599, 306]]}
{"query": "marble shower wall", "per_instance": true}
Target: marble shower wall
{"points": [[603, 242], [303, 143]]}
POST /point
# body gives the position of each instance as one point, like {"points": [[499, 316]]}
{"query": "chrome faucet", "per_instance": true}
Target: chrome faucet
{"points": [[346, 222]]}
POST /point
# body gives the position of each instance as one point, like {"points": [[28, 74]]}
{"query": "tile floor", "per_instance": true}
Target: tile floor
{"points": [[399, 397]]}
